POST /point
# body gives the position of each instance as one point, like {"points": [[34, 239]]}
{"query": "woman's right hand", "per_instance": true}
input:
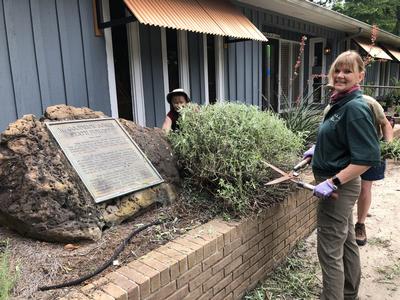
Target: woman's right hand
{"points": [[309, 152]]}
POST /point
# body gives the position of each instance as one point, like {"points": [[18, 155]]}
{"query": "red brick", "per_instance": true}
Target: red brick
{"points": [[266, 222], [211, 281], [188, 275], [191, 255], [182, 259], [142, 281], [232, 246], [160, 267], [223, 228], [250, 253], [223, 283], [171, 262], [163, 292], [280, 213], [194, 294], [278, 248], [234, 284], [256, 239], [198, 249], [233, 265], [115, 291], [239, 291], [257, 276], [278, 231], [179, 294], [206, 295], [154, 275], [253, 231], [221, 264], [257, 257], [100, 295], [88, 289], [240, 270], [210, 261], [129, 286], [270, 229], [199, 280], [229, 297], [210, 248], [240, 251], [265, 241], [219, 296], [250, 271]]}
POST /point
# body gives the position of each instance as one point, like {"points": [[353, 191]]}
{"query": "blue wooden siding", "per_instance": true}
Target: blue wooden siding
{"points": [[50, 55], [152, 71], [196, 67], [242, 64]]}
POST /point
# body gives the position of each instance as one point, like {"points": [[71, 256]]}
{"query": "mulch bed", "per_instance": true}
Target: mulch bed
{"points": [[42, 263]]}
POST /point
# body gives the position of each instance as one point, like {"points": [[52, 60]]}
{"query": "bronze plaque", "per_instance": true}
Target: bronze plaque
{"points": [[105, 157]]}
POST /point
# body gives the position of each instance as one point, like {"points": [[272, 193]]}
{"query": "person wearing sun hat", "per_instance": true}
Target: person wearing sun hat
{"points": [[177, 99]]}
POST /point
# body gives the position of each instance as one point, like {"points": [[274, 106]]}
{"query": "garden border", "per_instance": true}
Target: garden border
{"points": [[217, 260]]}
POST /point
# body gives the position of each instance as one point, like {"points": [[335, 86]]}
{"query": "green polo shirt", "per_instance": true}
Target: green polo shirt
{"points": [[346, 136]]}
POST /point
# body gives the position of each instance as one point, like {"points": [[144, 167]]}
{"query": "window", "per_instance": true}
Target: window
{"points": [[172, 59], [290, 87]]}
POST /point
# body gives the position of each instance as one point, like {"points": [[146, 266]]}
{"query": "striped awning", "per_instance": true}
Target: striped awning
{"points": [[217, 17], [393, 51], [375, 51]]}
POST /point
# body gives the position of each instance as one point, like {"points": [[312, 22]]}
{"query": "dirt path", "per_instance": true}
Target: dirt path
{"points": [[380, 257]]}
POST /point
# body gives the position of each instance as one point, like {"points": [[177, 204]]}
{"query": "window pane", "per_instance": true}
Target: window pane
{"points": [[284, 80], [172, 56]]}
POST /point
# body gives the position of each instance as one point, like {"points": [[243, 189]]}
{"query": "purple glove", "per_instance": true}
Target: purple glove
{"points": [[324, 189], [309, 152]]}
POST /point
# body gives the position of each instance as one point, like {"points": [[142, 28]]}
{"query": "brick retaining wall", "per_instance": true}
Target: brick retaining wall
{"points": [[218, 260]]}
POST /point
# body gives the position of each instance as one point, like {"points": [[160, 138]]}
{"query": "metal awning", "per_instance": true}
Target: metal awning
{"points": [[203, 16], [375, 51], [393, 51]]}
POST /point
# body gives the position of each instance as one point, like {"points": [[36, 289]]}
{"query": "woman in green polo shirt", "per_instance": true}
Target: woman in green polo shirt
{"points": [[347, 145]]}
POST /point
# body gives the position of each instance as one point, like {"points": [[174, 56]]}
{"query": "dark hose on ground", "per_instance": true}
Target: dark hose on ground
{"points": [[105, 265]]}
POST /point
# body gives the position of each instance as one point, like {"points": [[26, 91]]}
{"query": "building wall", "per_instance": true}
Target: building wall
{"points": [[243, 60], [152, 71], [50, 55]]}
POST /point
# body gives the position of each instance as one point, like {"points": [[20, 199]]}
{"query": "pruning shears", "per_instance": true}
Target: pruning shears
{"points": [[292, 175]]}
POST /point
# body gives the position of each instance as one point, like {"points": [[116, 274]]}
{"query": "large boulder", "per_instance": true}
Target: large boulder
{"points": [[41, 195]]}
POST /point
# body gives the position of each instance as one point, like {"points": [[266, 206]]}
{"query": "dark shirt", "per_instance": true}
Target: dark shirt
{"points": [[174, 116], [346, 136]]}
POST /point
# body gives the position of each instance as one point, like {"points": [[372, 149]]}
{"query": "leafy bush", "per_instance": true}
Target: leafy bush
{"points": [[391, 150], [221, 148]]}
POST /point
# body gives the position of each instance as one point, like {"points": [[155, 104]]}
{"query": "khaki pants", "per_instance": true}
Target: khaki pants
{"points": [[337, 249]]}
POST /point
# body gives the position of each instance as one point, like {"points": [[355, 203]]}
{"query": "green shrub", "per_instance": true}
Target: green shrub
{"points": [[7, 279], [303, 117], [391, 150], [221, 148]]}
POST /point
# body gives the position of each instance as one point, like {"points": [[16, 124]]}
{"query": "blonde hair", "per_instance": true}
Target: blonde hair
{"points": [[350, 59]]}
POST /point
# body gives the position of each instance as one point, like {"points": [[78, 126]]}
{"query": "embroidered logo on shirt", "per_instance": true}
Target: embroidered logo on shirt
{"points": [[335, 118]]}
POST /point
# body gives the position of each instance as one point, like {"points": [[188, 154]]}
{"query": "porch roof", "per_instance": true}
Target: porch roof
{"points": [[373, 50], [204, 16], [393, 51], [314, 13]]}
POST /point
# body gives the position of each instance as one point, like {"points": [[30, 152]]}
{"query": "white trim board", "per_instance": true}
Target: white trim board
{"points": [[110, 62], [183, 58], [135, 67]]}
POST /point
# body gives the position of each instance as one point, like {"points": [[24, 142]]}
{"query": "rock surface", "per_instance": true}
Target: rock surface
{"points": [[41, 195]]}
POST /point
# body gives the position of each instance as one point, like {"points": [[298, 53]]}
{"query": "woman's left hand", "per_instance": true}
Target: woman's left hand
{"points": [[325, 189]]}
